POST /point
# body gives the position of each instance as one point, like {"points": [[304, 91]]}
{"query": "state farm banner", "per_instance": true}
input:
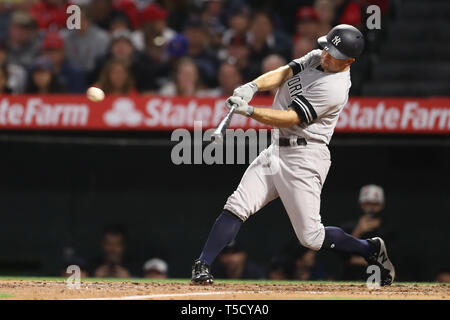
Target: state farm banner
{"points": [[75, 112]]}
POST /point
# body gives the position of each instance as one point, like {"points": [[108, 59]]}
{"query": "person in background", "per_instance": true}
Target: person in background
{"points": [[116, 79], [301, 47], [186, 80], [42, 80], [138, 63], [233, 263], [200, 51], [68, 75], [370, 224], [238, 51], [50, 14], [272, 62], [113, 249], [348, 12], [4, 89], [103, 13], [325, 15], [155, 269], [443, 275], [307, 24], [229, 79], [24, 42], [85, 46], [306, 267], [265, 40], [153, 20], [17, 75], [211, 16]]}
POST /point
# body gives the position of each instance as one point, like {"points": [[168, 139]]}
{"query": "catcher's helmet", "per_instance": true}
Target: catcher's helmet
{"points": [[343, 41]]}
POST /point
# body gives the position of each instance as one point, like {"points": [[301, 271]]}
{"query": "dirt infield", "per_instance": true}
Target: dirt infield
{"points": [[26, 289]]}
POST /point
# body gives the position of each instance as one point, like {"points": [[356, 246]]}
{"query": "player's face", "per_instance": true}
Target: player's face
{"points": [[331, 64]]}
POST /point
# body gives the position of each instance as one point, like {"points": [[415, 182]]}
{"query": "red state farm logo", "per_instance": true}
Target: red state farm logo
{"points": [[123, 112]]}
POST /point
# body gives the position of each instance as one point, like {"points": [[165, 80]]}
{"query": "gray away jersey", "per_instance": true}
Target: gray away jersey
{"points": [[317, 96]]}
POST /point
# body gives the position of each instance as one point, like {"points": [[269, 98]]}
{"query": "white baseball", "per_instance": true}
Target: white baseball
{"points": [[95, 94]]}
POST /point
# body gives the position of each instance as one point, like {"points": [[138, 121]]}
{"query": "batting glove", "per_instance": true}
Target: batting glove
{"points": [[242, 106], [246, 91]]}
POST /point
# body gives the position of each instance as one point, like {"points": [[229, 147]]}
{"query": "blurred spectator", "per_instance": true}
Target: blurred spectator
{"points": [[211, 17], [272, 62], [239, 23], [50, 14], [233, 263], [16, 75], [443, 276], [155, 269], [139, 64], [264, 39], [42, 80], [278, 269], [113, 247], [348, 12], [116, 78], [307, 24], [201, 52], [119, 23], [4, 88], [369, 225], [325, 15], [86, 45], [153, 21], [239, 52], [104, 13], [131, 10], [305, 266], [24, 43], [186, 80], [301, 47], [68, 75], [177, 48], [229, 79]]}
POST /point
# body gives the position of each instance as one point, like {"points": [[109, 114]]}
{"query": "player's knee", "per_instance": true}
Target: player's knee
{"points": [[313, 239]]}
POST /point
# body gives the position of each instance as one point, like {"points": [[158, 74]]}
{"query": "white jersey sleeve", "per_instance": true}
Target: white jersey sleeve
{"points": [[314, 104], [300, 64]]}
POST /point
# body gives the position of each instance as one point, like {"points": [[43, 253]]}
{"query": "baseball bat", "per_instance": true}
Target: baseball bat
{"points": [[218, 134]]}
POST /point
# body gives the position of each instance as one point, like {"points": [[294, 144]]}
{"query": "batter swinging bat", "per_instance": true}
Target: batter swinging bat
{"points": [[218, 134]]}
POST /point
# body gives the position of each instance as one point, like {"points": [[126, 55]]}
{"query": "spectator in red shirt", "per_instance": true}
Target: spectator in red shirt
{"points": [[348, 12], [50, 13]]}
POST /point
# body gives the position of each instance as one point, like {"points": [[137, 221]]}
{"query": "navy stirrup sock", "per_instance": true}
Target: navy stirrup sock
{"points": [[222, 233], [337, 239]]}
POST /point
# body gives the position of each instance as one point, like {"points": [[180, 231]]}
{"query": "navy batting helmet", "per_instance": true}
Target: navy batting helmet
{"points": [[342, 42]]}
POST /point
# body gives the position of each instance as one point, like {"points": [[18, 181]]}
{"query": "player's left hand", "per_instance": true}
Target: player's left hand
{"points": [[242, 106]]}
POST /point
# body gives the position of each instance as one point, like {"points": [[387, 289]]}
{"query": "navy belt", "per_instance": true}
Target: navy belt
{"points": [[286, 142]]}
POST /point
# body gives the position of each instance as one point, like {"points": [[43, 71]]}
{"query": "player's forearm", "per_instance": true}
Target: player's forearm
{"points": [[276, 118], [273, 79]]}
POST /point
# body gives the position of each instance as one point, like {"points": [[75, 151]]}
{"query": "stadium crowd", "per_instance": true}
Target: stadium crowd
{"points": [[202, 48]]}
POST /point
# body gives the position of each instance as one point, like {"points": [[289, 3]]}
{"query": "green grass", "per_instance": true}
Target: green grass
{"points": [[141, 280], [5, 295]]}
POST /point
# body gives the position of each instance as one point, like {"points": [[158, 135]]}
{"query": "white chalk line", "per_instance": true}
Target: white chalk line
{"points": [[187, 294]]}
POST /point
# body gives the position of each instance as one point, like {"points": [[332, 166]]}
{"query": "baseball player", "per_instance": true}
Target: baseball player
{"points": [[312, 91]]}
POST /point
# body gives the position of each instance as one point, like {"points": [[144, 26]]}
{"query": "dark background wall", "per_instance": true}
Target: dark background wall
{"points": [[54, 195]]}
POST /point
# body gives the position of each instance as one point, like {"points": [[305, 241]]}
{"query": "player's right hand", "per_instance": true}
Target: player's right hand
{"points": [[242, 106], [246, 91]]}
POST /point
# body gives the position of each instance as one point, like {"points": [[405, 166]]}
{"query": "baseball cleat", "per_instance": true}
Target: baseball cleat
{"points": [[381, 259], [201, 273]]}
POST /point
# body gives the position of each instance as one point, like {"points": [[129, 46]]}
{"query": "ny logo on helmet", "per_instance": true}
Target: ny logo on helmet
{"points": [[336, 40]]}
